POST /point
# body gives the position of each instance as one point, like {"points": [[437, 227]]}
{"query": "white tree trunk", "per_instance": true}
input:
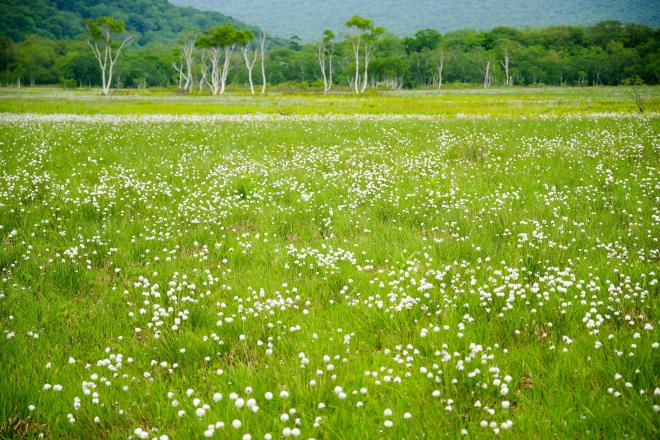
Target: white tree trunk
{"points": [[505, 65], [320, 56], [487, 75], [179, 70], [249, 63], [367, 54], [330, 68], [440, 68], [188, 51], [262, 45], [356, 52], [225, 68], [107, 60], [203, 80], [214, 57], [185, 66]]}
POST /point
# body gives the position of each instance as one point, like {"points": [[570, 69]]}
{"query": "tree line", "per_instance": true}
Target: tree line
{"points": [[362, 55]]}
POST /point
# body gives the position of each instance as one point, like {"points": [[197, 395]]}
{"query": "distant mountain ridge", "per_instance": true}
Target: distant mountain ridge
{"points": [[155, 20], [308, 18]]}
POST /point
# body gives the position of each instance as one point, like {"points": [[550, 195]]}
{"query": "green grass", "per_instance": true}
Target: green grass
{"points": [[494, 102], [398, 248]]}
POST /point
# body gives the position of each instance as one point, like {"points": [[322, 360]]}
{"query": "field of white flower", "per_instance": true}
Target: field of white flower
{"points": [[321, 277]]}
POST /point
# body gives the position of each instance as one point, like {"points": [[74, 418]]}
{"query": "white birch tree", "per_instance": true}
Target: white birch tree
{"points": [[508, 79], [262, 55], [369, 44], [364, 34], [250, 54], [100, 39], [326, 50], [486, 74], [441, 57], [178, 67], [204, 69], [219, 43], [185, 65]]}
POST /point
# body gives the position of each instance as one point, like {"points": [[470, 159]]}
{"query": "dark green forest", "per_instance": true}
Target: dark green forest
{"points": [[404, 17], [43, 42], [154, 20]]}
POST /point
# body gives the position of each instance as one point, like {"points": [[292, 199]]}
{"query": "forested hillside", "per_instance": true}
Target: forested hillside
{"points": [[154, 20], [41, 42], [306, 18]]}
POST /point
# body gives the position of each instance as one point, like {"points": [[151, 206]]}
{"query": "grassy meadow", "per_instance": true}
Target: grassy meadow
{"points": [[495, 103], [490, 270]]}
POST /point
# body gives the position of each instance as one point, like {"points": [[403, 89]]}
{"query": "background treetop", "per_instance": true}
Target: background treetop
{"points": [[223, 36], [102, 27]]}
